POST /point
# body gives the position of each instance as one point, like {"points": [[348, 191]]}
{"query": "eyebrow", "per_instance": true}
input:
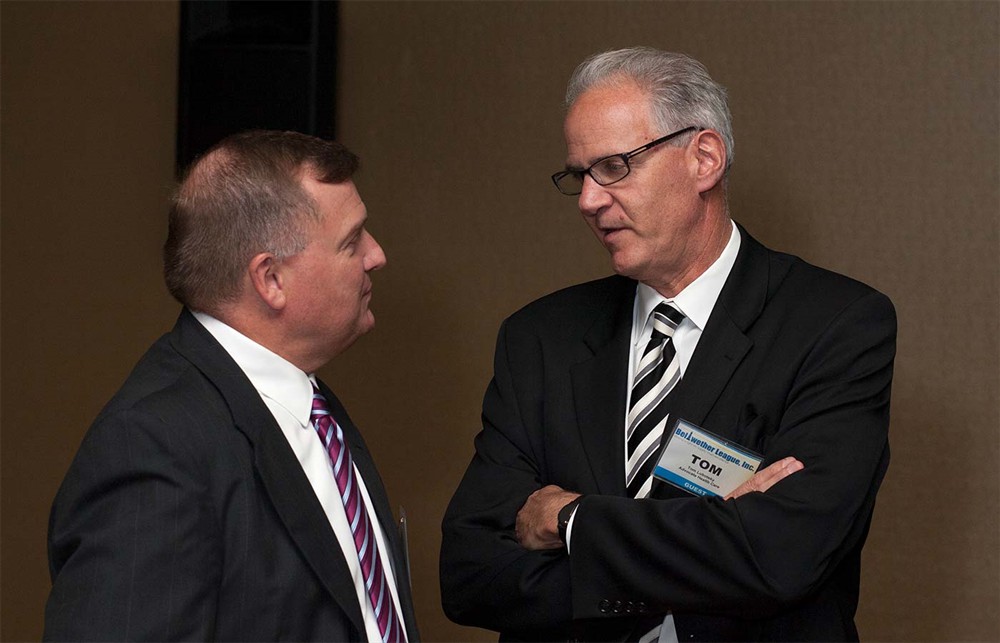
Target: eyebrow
{"points": [[355, 230], [590, 163]]}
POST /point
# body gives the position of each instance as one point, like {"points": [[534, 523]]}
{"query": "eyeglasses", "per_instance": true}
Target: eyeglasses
{"points": [[608, 170]]}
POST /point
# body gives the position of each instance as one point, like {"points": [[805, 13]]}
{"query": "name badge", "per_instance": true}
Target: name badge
{"points": [[702, 463]]}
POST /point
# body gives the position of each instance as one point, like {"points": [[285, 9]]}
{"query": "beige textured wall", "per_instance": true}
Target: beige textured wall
{"points": [[867, 141], [87, 146]]}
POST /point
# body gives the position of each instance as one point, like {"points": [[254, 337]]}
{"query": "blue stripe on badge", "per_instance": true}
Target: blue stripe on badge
{"points": [[678, 481]]}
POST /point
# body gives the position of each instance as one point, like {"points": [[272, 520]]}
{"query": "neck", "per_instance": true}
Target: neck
{"points": [[266, 332], [701, 259]]}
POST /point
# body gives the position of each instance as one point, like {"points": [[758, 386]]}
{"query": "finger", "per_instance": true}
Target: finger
{"points": [[743, 489], [768, 477], [519, 531], [775, 473]]}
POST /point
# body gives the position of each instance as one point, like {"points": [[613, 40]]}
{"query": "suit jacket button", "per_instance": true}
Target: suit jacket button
{"points": [[604, 606], [617, 609], [630, 607], [641, 607]]}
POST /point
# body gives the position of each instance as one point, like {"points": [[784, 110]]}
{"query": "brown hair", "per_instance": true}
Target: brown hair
{"points": [[242, 197]]}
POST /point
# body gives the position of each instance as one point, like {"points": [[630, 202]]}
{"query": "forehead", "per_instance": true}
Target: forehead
{"points": [[339, 205], [607, 119]]}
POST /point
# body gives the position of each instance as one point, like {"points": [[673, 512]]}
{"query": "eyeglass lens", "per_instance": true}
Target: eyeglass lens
{"points": [[605, 172]]}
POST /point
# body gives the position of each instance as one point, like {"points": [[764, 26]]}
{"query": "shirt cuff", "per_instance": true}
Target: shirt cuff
{"points": [[569, 527]]}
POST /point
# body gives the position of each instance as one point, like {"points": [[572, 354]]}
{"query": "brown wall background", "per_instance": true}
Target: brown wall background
{"points": [[867, 141]]}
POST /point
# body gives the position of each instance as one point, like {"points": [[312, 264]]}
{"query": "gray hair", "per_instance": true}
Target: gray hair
{"points": [[243, 197], [680, 90]]}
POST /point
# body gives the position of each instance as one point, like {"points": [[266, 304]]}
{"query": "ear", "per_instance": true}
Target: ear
{"points": [[710, 154], [267, 280]]}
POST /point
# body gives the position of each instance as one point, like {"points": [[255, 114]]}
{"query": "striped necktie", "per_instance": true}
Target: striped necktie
{"points": [[332, 437], [656, 375]]}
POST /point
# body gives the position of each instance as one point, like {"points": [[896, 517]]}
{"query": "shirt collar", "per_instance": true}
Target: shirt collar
{"points": [[273, 376], [698, 299]]}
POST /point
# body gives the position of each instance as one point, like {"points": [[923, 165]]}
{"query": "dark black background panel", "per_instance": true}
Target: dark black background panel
{"points": [[248, 64]]}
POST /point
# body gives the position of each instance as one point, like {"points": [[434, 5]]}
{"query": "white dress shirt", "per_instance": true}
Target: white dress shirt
{"points": [[287, 392], [696, 302]]}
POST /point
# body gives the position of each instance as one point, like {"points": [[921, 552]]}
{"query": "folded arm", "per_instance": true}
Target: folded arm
{"points": [[762, 552], [537, 520], [748, 555]]}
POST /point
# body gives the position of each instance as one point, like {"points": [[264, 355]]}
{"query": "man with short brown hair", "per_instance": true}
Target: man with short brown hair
{"points": [[224, 493]]}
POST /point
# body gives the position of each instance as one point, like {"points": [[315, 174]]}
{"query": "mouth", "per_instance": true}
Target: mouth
{"points": [[608, 224], [609, 234]]}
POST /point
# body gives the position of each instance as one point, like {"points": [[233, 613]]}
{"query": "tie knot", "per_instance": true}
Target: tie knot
{"points": [[665, 319], [319, 407]]}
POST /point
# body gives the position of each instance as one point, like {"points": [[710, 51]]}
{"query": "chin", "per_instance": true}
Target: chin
{"points": [[365, 326], [622, 267]]}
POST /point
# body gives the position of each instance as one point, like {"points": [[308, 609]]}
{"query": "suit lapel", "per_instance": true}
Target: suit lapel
{"points": [[599, 384], [366, 466], [716, 358], [380, 505], [724, 342], [280, 472]]}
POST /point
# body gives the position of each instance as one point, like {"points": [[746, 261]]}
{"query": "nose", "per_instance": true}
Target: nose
{"points": [[374, 255], [593, 197]]}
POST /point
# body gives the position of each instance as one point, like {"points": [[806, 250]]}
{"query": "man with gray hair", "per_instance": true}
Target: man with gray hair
{"points": [[224, 493], [612, 494]]}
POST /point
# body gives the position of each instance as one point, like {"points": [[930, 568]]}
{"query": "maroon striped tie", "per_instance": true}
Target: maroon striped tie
{"points": [[354, 506]]}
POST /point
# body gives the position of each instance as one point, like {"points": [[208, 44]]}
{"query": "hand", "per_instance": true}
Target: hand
{"points": [[766, 478], [537, 521]]}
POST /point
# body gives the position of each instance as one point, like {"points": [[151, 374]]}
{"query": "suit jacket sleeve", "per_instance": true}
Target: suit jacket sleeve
{"points": [[134, 547], [487, 578]]}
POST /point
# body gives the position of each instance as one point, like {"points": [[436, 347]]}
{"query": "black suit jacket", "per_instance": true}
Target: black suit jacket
{"points": [[186, 515], [794, 360]]}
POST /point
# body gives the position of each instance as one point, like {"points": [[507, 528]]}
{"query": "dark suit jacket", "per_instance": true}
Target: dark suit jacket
{"points": [[186, 515], [794, 360]]}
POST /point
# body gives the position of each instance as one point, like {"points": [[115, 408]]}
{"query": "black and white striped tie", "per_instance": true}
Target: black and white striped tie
{"points": [[656, 375]]}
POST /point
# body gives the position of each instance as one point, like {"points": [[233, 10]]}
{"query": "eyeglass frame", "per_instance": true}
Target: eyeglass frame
{"points": [[558, 176]]}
